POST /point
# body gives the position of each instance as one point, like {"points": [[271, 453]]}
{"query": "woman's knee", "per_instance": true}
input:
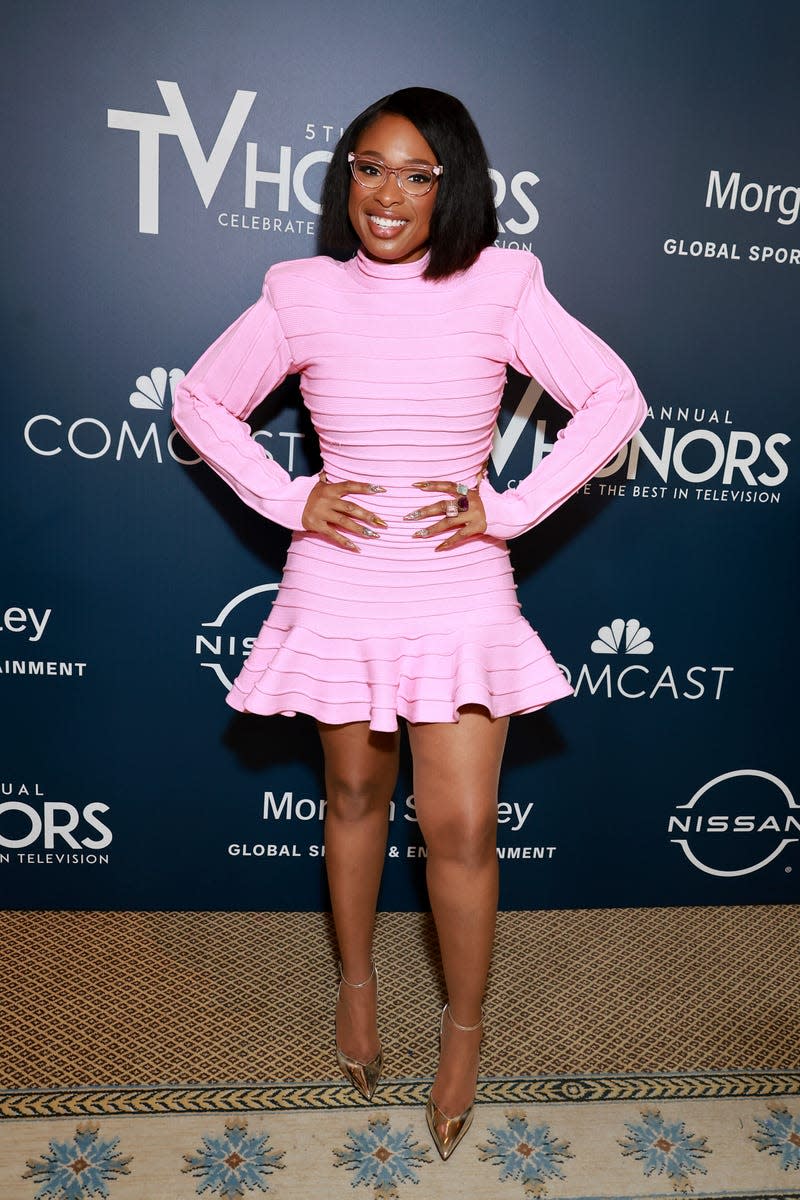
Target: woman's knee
{"points": [[469, 838], [352, 797], [360, 770]]}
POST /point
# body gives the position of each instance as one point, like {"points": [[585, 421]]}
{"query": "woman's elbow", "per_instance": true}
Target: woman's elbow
{"points": [[181, 406], [634, 405]]}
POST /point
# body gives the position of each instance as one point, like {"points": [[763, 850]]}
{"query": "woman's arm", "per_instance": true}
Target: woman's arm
{"points": [[579, 371], [213, 401]]}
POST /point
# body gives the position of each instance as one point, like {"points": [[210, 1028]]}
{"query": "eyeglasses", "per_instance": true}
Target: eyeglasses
{"points": [[372, 173]]}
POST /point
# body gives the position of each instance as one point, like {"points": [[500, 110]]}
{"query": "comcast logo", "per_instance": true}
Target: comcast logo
{"points": [[623, 637], [89, 437], [151, 390], [625, 670]]}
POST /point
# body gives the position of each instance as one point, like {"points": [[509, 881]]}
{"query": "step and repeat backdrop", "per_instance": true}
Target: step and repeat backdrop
{"points": [[162, 156]]}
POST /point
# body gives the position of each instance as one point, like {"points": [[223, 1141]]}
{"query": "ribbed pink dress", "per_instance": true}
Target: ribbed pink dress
{"points": [[402, 378]]}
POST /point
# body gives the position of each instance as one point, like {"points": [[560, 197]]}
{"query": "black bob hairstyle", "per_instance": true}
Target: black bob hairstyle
{"points": [[463, 220]]}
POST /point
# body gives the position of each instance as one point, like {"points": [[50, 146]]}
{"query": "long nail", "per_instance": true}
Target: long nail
{"points": [[369, 532], [424, 484], [413, 516], [421, 533], [375, 487], [380, 521]]}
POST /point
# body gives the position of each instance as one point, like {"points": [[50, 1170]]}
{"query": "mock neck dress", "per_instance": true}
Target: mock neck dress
{"points": [[402, 378]]}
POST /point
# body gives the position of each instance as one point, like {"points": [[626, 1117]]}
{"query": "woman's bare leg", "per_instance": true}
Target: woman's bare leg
{"points": [[360, 776], [456, 772]]}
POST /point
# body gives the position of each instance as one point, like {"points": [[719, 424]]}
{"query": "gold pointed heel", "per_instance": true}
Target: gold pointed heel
{"points": [[363, 1076], [446, 1131]]}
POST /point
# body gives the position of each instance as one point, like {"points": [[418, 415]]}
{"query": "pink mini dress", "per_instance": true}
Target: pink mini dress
{"points": [[402, 378]]}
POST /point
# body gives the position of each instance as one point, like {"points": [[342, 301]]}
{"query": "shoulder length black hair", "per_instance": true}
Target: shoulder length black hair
{"points": [[463, 220]]}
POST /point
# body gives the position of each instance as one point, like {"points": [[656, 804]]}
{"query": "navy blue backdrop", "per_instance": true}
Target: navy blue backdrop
{"points": [[162, 156]]}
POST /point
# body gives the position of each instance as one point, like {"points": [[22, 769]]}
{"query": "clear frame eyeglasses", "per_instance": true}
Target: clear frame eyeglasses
{"points": [[372, 173]]}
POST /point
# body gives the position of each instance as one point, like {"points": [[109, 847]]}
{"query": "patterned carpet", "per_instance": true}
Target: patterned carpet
{"points": [[628, 1053]]}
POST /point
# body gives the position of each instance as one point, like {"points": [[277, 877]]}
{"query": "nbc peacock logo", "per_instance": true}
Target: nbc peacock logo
{"points": [[151, 390], [623, 637], [626, 638]]}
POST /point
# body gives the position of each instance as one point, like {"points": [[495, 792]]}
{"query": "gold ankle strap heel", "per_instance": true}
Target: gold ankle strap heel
{"points": [[446, 1131], [363, 1076]]}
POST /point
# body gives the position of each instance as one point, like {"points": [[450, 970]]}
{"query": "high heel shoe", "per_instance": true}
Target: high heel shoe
{"points": [[446, 1131], [363, 1076]]}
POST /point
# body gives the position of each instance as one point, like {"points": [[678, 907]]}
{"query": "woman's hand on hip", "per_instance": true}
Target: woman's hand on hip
{"points": [[462, 512], [327, 511]]}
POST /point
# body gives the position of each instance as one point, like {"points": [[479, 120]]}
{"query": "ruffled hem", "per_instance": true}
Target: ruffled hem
{"points": [[427, 678]]}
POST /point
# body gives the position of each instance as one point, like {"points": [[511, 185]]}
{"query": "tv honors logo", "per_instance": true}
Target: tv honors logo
{"points": [[291, 179], [35, 830], [230, 638], [708, 461], [641, 681], [736, 823], [91, 438]]}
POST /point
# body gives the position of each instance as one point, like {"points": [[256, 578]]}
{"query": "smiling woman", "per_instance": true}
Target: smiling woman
{"points": [[433, 130], [390, 207], [407, 608]]}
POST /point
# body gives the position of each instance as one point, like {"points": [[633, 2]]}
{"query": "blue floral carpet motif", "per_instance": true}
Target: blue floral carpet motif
{"points": [[665, 1147], [526, 1152], [779, 1134], [236, 1163], [83, 1166], [712, 1148], [382, 1157]]}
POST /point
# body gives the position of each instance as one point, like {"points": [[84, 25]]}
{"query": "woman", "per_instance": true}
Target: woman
{"points": [[398, 597]]}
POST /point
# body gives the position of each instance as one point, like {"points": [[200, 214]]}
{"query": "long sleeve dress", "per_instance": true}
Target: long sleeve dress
{"points": [[402, 378]]}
